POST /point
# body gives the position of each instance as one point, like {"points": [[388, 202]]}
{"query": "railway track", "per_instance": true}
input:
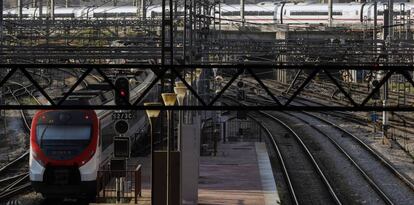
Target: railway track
{"points": [[361, 92], [22, 89], [15, 94], [352, 151], [351, 117], [391, 185], [17, 183], [394, 122], [300, 167], [282, 161], [344, 192], [87, 81], [400, 124]]}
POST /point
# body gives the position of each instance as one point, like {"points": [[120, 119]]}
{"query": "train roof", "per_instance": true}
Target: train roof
{"points": [[248, 7], [268, 3], [338, 6], [117, 9], [263, 6]]}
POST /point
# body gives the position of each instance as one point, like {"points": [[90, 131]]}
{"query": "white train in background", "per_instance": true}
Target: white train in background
{"points": [[261, 13]]}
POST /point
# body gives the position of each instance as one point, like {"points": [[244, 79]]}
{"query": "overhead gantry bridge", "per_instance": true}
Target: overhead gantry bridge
{"points": [[225, 84]]}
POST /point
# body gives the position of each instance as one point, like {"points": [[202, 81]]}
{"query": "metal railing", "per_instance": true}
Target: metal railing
{"points": [[122, 186]]}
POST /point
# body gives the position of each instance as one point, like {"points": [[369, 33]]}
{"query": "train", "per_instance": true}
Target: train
{"points": [[68, 148], [261, 13], [65, 153]]}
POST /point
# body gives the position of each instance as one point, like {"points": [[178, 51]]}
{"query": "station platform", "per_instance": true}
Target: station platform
{"points": [[240, 174]]}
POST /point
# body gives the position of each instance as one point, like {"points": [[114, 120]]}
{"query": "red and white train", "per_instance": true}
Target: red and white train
{"points": [[65, 153], [67, 148]]}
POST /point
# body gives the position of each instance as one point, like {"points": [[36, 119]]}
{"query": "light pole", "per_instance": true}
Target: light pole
{"points": [[169, 100], [198, 72], [181, 91], [152, 115], [188, 118]]}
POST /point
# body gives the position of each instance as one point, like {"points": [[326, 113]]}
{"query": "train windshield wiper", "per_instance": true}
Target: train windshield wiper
{"points": [[43, 133]]}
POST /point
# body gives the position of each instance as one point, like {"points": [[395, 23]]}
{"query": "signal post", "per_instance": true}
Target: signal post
{"points": [[121, 142]]}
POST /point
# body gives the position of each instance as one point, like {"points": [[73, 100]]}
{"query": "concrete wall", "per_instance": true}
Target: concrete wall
{"points": [[190, 154]]}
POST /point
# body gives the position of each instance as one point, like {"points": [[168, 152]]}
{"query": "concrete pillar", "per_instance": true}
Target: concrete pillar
{"points": [[190, 158], [228, 130], [223, 130]]}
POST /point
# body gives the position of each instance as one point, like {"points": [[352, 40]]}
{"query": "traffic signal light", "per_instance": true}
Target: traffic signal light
{"points": [[122, 91], [121, 127]]}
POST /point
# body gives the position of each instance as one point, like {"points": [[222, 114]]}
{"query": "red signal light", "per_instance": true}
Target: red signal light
{"points": [[122, 93]]}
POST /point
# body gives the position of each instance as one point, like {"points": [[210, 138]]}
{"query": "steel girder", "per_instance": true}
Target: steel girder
{"points": [[176, 72]]}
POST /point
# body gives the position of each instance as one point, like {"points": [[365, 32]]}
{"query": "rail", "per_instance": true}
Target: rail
{"points": [[405, 179]]}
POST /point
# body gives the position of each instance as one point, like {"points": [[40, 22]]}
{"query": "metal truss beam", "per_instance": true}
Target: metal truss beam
{"points": [[244, 66], [339, 86], [210, 108], [175, 72]]}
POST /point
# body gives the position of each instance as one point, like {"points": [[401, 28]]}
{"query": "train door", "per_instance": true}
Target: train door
{"points": [[278, 15], [363, 13], [370, 12]]}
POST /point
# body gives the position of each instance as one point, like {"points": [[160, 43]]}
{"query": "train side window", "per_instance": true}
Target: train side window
{"points": [[265, 13], [284, 13], [314, 13], [251, 13], [356, 12]]}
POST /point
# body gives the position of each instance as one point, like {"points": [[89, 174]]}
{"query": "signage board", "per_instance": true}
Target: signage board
{"points": [[123, 115]]}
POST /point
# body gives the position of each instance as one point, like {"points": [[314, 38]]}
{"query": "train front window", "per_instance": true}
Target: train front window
{"points": [[63, 142]]}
